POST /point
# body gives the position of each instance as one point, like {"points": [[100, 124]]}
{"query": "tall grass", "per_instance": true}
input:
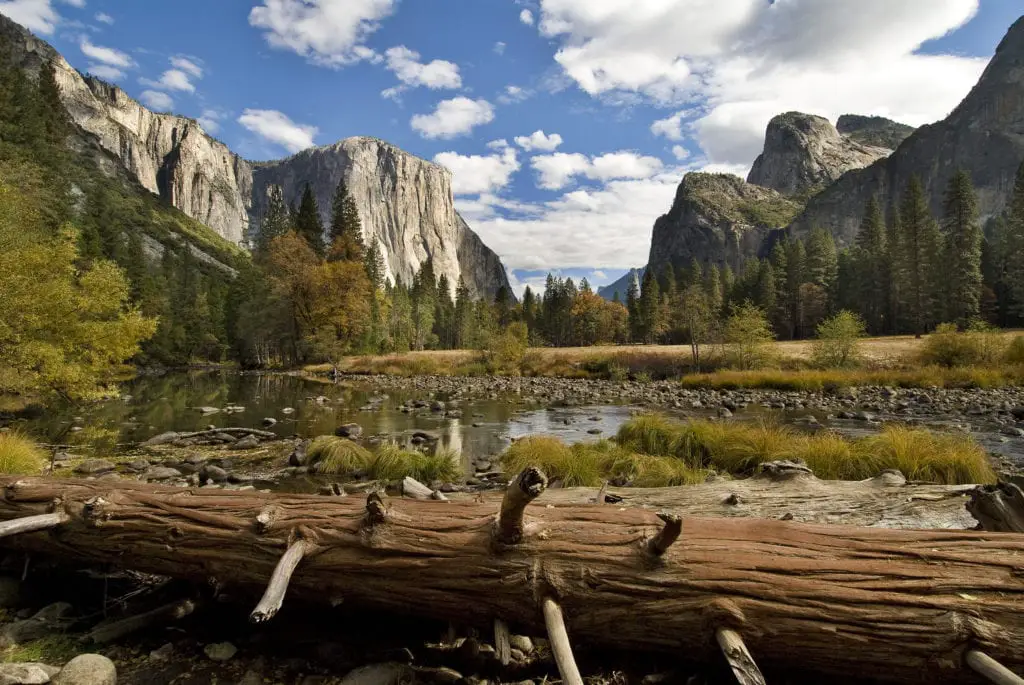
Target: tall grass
{"points": [[338, 456], [19, 455], [812, 380], [739, 448]]}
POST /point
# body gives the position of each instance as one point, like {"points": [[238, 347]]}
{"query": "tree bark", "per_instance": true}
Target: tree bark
{"points": [[896, 605]]}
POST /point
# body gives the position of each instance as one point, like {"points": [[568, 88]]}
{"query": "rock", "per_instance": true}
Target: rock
{"points": [[161, 473], [288, 410], [864, 416], [162, 653], [298, 455], [350, 430], [213, 473], [595, 431], [251, 678], [269, 422], [87, 669], [437, 406], [415, 489], [162, 439], [10, 592], [92, 467], [206, 411], [138, 465], [220, 651], [378, 674], [249, 442], [28, 673], [1013, 431], [804, 151], [522, 643], [873, 131]]}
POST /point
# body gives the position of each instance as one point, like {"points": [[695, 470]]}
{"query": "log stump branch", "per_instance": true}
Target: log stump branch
{"points": [[561, 649], [115, 630], [31, 524], [266, 519], [273, 598], [738, 656], [998, 508], [376, 509], [990, 669], [525, 488], [502, 642], [673, 528]]}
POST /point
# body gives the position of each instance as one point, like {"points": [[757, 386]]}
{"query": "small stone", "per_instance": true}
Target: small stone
{"points": [[288, 410], [162, 439], [349, 430], [251, 678], [220, 651], [522, 643], [92, 467], [61, 456], [87, 669], [377, 674], [139, 466], [213, 473], [595, 431], [269, 422], [249, 442], [161, 473], [29, 673], [206, 411], [162, 653]]}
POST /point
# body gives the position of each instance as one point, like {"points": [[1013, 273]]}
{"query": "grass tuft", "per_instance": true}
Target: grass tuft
{"points": [[20, 455], [338, 456], [332, 455]]}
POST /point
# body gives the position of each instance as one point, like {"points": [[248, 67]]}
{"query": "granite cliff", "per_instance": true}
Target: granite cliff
{"points": [[804, 152], [873, 131], [406, 204]]}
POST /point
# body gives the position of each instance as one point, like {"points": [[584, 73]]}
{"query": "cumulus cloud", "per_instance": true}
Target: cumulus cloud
{"points": [[276, 127], [108, 56], [680, 152], [104, 18], [513, 94], [172, 79], [526, 16], [105, 72], [326, 32], [155, 100], [36, 15], [453, 118], [187, 65], [743, 61], [406, 65], [499, 47], [476, 174], [210, 120], [539, 141], [555, 171]]}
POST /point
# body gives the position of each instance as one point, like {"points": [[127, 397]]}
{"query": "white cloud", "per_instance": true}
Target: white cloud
{"points": [[499, 47], [277, 128], [475, 174], [108, 56], [326, 32], [513, 94], [680, 152], [104, 18], [609, 226], [526, 16], [172, 79], [157, 101], [452, 118], [557, 170], [406, 65], [187, 65], [105, 72], [539, 141], [743, 61], [210, 120], [35, 15]]}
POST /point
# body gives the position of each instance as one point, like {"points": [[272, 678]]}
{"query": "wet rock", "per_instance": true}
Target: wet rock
{"points": [[206, 411], [269, 422], [298, 455], [521, 642], [93, 467], [352, 431], [213, 473], [288, 410], [437, 406], [162, 653], [415, 489], [220, 651], [378, 674], [162, 439], [28, 673], [139, 466], [87, 669], [595, 431], [1013, 432], [249, 442], [161, 473]]}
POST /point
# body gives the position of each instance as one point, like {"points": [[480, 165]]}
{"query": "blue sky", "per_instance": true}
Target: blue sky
{"points": [[629, 94]]}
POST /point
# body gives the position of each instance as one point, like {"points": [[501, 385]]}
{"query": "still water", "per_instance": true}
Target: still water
{"points": [[305, 407]]}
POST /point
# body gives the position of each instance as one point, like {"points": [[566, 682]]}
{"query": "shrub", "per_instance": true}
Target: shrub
{"points": [[747, 333], [928, 456], [506, 351], [949, 347], [837, 343], [1015, 351], [19, 455]]}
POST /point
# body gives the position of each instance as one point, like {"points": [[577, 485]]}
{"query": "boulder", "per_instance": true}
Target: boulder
{"points": [[161, 473], [378, 674], [352, 431], [29, 673], [162, 439], [87, 669], [220, 651], [92, 467], [213, 473], [249, 442]]}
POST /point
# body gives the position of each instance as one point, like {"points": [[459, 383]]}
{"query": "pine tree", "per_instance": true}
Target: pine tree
{"points": [[996, 259], [779, 316], [308, 223], [649, 307], [765, 295], [463, 316], [713, 288], [963, 250], [375, 268], [894, 264], [529, 312], [872, 281], [633, 308], [796, 265], [276, 221], [1015, 246], [920, 245], [346, 230], [822, 265]]}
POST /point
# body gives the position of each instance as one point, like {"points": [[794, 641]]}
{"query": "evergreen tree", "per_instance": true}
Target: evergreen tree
{"points": [[307, 221], [530, 313], [996, 260], [895, 272], [796, 264], [822, 265], [872, 281], [463, 316], [375, 268], [346, 230], [276, 221], [1015, 247], [649, 307], [633, 309], [920, 245], [779, 316], [713, 288], [424, 301], [765, 295], [963, 250], [728, 282], [504, 306]]}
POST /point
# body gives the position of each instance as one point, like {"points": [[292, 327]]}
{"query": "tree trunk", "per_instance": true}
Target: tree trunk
{"points": [[896, 605]]}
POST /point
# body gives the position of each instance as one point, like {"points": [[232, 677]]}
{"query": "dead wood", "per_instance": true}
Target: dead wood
{"points": [[896, 605], [109, 631], [991, 670], [999, 507]]}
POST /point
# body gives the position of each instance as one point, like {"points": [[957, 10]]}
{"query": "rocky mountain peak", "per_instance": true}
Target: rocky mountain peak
{"points": [[873, 131], [803, 152]]}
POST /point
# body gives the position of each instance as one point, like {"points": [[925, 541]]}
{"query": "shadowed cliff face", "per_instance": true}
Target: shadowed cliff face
{"points": [[803, 152], [405, 204], [873, 131], [984, 136]]}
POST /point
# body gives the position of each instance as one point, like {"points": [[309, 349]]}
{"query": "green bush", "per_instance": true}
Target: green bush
{"points": [[506, 350], [747, 334], [19, 455], [837, 344], [1015, 351], [979, 345]]}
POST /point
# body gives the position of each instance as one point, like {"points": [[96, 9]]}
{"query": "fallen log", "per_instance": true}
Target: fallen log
{"points": [[837, 601], [886, 501]]}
